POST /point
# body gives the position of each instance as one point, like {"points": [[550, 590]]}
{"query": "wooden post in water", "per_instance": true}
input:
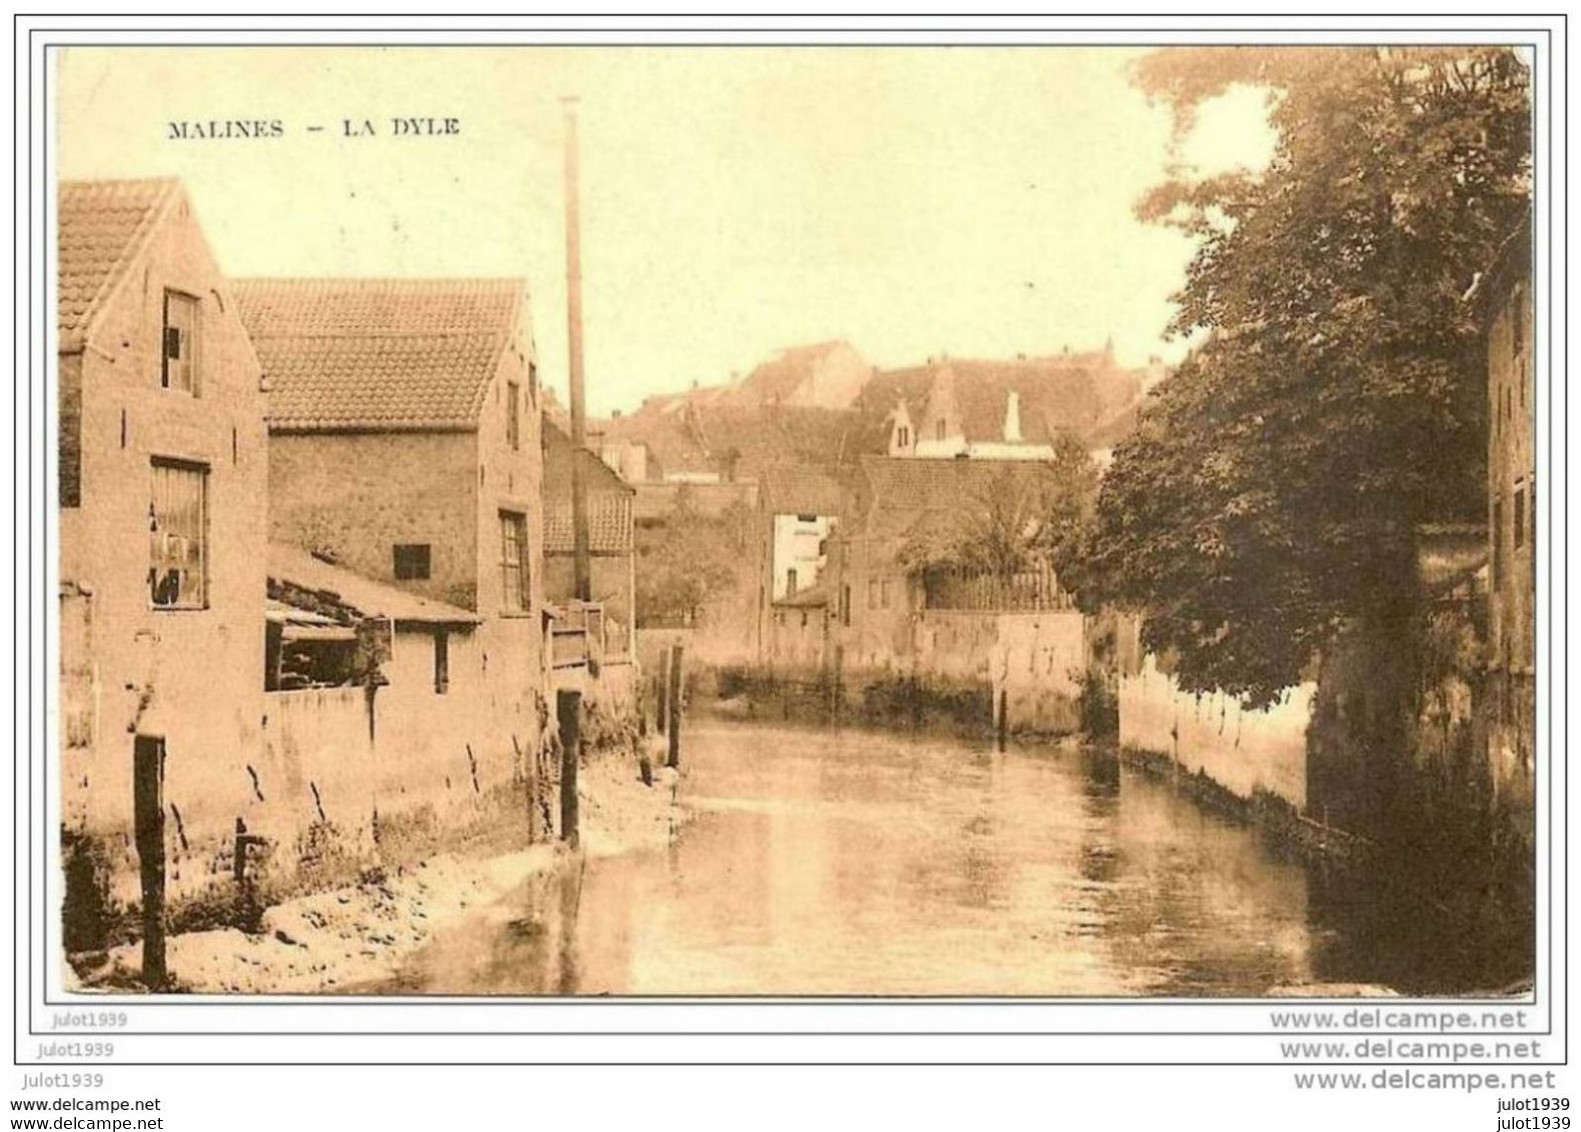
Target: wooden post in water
{"points": [[148, 822], [676, 652], [568, 709], [661, 692]]}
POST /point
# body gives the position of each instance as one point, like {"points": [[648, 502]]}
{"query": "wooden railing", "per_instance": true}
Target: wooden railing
{"points": [[1025, 590]]}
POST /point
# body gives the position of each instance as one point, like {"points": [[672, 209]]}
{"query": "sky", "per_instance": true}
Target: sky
{"points": [[735, 201]]}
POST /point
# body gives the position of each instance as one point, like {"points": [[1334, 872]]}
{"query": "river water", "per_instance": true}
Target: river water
{"points": [[853, 862]]}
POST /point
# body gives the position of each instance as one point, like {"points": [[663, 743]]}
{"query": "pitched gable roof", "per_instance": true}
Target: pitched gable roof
{"points": [[399, 354], [780, 376], [704, 438], [557, 452], [1055, 395], [102, 227]]}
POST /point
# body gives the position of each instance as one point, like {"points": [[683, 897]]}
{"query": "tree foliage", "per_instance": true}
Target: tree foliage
{"points": [[1025, 513], [690, 562], [1336, 396]]}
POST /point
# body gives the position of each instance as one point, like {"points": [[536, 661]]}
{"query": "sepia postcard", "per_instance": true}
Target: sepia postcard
{"points": [[1036, 522]]}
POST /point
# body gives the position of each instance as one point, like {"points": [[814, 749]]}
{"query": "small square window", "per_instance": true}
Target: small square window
{"points": [[412, 561]]}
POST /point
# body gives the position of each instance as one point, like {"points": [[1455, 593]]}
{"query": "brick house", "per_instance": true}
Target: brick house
{"points": [[404, 446], [1512, 519], [163, 504], [799, 631], [611, 548]]}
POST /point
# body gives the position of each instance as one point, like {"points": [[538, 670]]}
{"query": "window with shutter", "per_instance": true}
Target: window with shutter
{"points": [[179, 361]]}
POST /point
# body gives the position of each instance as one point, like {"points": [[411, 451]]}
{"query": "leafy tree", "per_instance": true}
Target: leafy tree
{"points": [[1336, 397], [692, 561], [1024, 513]]}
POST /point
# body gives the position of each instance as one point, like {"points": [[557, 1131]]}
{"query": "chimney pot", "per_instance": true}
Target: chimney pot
{"points": [[1013, 418]]}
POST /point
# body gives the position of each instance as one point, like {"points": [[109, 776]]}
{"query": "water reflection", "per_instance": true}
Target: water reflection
{"points": [[859, 863]]}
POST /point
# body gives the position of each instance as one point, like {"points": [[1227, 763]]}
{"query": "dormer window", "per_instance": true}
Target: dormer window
{"points": [[178, 367]]}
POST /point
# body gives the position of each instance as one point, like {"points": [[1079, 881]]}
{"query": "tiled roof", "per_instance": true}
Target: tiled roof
{"points": [[1055, 395], [608, 525], [787, 488], [102, 226], [1116, 427], [813, 597], [378, 353], [297, 567], [609, 499], [780, 376], [699, 438]]}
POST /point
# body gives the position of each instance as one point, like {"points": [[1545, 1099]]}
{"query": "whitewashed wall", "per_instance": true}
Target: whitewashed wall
{"points": [[1243, 751]]}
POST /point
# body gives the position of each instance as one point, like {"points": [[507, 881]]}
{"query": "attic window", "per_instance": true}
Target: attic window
{"points": [[179, 353], [412, 561]]}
